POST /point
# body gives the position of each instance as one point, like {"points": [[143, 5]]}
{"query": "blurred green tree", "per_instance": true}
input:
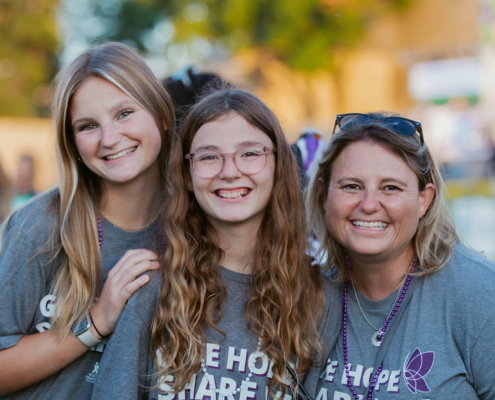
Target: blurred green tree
{"points": [[301, 33], [27, 56]]}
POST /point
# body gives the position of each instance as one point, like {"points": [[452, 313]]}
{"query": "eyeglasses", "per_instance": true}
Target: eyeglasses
{"points": [[249, 161], [399, 125]]}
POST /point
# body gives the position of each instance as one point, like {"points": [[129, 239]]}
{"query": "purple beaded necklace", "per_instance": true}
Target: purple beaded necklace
{"points": [[384, 329], [100, 234]]}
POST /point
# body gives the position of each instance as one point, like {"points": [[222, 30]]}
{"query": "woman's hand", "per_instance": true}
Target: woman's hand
{"points": [[121, 283]]}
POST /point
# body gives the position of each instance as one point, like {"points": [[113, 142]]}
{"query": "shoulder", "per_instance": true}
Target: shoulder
{"points": [[469, 267], [144, 301], [332, 297], [467, 278], [37, 220], [330, 288]]}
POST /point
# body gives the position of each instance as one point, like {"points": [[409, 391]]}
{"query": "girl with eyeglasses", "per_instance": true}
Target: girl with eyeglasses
{"points": [[418, 306], [92, 236], [238, 297]]}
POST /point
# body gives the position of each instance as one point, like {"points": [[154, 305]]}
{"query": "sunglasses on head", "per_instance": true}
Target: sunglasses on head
{"points": [[399, 125]]}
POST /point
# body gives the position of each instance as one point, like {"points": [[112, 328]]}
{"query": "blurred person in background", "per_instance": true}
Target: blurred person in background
{"points": [[418, 306], [187, 85], [5, 194], [24, 184], [71, 258]]}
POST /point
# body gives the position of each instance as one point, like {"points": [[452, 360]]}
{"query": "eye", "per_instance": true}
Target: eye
{"points": [[351, 187], [125, 113], [87, 127], [392, 188], [251, 153], [208, 157]]}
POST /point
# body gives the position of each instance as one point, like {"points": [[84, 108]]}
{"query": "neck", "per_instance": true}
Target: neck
{"points": [[377, 278], [238, 243], [132, 205]]}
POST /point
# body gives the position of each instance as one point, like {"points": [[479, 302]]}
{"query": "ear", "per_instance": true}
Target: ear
{"points": [[165, 125], [425, 198]]}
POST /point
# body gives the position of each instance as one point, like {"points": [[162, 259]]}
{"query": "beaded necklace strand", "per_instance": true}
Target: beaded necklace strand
{"points": [[384, 329]]}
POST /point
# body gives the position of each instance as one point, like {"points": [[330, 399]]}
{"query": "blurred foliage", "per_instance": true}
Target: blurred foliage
{"points": [[301, 33], [27, 56]]}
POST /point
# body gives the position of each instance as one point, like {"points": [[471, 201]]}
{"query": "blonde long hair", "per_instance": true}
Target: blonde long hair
{"points": [[435, 234], [78, 281], [286, 293]]}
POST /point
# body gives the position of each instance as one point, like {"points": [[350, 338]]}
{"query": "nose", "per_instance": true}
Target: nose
{"points": [[229, 170], [111, 136], [370, 202]]}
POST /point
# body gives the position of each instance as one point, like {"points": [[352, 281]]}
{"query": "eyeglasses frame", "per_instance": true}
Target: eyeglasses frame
{"points": [[417, 124], [190, 157]]}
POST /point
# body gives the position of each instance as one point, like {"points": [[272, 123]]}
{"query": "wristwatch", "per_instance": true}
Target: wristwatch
{"points": [[83, 333]]}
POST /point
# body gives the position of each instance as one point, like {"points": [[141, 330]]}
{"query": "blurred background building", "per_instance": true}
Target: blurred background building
{"points": [[431, 60]]}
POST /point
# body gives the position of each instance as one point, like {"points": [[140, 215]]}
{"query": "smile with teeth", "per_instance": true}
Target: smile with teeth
{"points": [[121, 154], [377, 226], [232, 194]]}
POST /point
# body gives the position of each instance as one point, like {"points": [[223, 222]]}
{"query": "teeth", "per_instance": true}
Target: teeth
{"points": [[121, 154], [232, 194], [377, 226]]}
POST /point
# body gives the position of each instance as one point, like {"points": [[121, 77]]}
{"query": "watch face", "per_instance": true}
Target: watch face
{"points": [[82, 327]]}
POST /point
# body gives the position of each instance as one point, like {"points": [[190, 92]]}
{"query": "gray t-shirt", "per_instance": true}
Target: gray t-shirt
{"points": [[26, 278], [444, 346], [127, 367]]}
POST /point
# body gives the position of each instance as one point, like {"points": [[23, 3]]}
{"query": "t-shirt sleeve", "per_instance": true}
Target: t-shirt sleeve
{"points": [[26, 307], [483, 361], [122, 373]]}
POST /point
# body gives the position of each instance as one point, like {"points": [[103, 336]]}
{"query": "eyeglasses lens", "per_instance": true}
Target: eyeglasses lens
{"points": [[248, 160]]}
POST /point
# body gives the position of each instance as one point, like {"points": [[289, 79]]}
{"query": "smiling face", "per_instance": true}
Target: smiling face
{"points": [[373, 204], [116, 138], [232, 197]]}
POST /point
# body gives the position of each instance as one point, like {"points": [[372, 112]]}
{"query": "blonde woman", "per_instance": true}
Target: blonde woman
{"points": [[71, 258], [418, 306], [239, 297]]}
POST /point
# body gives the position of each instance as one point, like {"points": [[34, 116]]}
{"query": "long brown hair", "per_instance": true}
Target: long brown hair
{"points": [[286, 294], [79, 278], [435, 234]]}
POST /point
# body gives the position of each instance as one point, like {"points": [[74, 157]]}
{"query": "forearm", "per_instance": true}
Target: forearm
{"points": [[36, 357]]}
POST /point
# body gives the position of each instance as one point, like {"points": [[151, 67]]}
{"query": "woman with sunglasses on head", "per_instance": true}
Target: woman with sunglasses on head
{"points": [[418, 309], [92, 236], [239, 297]]}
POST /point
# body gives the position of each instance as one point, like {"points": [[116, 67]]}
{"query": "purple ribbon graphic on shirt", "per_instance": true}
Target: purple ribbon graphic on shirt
{"points": [[416, 368]]}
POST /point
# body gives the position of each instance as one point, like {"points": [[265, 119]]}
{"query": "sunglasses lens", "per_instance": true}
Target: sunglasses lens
{"points": [[401, 126], [352, 120]]}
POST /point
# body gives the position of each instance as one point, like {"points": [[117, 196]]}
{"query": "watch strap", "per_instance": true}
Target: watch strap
{"points": [[86, 337]]}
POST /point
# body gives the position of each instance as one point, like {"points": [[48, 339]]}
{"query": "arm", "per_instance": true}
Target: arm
{"points": [[124, 363], [36, 357], [483, 361], [27, 357]]}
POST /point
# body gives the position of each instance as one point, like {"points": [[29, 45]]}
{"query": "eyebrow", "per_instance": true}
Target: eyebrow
{"points": [[238, 146], [112, 110], [384, 180]]}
